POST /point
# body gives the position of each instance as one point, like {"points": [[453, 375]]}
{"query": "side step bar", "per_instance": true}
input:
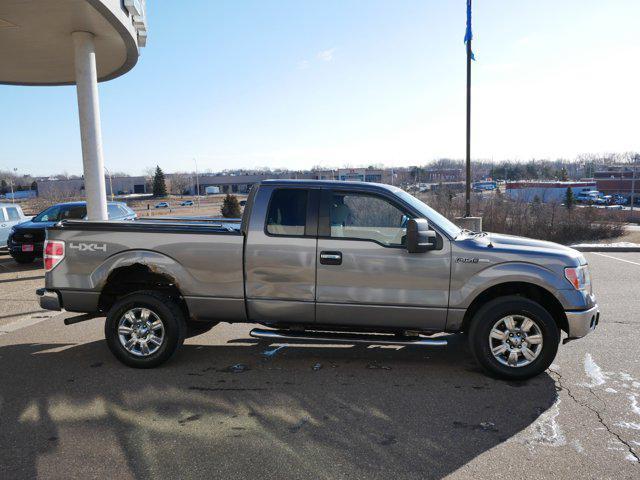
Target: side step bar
{"points": [[371, 339]]}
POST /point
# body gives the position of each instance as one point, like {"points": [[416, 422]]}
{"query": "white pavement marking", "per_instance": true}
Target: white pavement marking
{"points": [[24, 323], [616, 258]]}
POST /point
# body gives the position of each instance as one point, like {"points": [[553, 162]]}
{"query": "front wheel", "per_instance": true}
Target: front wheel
{"points": [[144, 329], [514, 338]]}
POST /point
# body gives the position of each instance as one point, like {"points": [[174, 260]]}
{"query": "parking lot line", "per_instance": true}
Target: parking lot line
{"points": [[616, 258]]}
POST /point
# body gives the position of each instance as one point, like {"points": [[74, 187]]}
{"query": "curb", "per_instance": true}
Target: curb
{"points": [[606, 249]]}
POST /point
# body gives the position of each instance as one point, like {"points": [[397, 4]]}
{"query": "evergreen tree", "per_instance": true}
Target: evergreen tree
{"points": [[159, 184], [231, 207], [569, 199]]}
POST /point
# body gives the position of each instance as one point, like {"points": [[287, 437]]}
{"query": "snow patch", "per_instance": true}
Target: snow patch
{"points": [[634, 404], [546, 430], [613, 244], [629, 425], [610, 390], [593, 371]]}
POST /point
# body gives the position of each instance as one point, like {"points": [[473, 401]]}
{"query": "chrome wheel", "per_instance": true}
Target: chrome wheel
{"points": [[141, 332], [515, 340]]}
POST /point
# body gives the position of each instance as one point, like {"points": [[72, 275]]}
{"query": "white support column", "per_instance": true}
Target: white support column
{"points": [[90, 133]]}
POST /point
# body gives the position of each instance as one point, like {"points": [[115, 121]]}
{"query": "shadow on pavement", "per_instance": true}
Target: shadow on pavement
{"points": [[229, 411]]}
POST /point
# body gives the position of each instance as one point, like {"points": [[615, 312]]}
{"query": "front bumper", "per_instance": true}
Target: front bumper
{"points": [[582, 322], [16, 248], [49, 300]]}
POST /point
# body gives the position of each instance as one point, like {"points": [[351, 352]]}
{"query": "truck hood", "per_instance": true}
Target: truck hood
{"points": [[522, 246]]}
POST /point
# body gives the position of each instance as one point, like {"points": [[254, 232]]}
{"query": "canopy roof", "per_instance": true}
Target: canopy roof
{"points": [[37, 47]]}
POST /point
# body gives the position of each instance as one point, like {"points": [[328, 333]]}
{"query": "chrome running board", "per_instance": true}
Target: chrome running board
{"points": [[334, 337]]}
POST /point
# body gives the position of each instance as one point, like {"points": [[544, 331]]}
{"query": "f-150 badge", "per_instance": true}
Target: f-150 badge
{"points": [[472, 260]]}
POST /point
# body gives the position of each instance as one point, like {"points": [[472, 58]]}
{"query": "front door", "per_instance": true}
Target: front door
{"points": [[365, 275], [280, 255]]}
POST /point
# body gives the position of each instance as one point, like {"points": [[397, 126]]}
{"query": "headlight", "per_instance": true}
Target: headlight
{"points": [[578, 277]]}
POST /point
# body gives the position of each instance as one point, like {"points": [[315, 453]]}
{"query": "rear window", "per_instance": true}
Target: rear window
{"points": [[287, 212], [62, 212], [13, 213], [114, 211]]}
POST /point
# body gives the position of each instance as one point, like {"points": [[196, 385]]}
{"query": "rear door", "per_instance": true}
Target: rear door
{"points": [[365, 275], [280, 255]]}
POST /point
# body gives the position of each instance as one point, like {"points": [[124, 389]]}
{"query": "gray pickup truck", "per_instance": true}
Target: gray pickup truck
{"points": [[322, 261]]}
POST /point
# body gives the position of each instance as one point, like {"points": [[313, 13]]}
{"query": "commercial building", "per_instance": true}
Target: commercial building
{"points": [[74, 42], [75, 187], [619, 180], [547, 192], [232, 183]]}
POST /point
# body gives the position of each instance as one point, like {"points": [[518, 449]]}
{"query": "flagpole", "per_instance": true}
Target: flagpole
{"points": [[468, 159]]}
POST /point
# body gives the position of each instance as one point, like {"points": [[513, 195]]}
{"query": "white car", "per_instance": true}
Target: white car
{"points": [[10, 215]]}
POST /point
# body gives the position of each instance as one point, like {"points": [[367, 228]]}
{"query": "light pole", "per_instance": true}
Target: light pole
{"points": [[13, 195], [633, 185], [110, 183], [197, 182]]}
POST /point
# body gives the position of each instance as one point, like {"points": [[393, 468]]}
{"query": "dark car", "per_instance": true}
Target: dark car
{"points": [[26, 239]]}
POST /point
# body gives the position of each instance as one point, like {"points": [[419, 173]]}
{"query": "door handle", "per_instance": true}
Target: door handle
{"points": [[331, 258]]}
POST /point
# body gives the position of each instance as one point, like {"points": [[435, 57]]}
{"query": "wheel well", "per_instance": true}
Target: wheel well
{"points": [[527, 290], [133, 278]]}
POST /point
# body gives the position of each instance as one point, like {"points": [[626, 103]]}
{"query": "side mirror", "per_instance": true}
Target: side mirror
{"points": [[419, 238]]}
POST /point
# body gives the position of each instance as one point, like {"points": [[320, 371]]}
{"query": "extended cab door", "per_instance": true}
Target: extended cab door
{"points": [[280, 254], [365, 275]]}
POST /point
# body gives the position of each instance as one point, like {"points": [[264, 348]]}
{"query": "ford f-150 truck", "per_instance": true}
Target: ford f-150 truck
{"points": [[322, 261]]}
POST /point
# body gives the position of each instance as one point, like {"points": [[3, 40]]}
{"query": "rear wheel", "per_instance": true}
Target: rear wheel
{"points": [[514, 338], [144, 329]]}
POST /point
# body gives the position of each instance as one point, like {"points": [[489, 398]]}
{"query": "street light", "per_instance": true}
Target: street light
{"points": [[110, 183], [197, 183]]}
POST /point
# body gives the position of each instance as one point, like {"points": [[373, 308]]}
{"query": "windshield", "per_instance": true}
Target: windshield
{"points": [[62, 212], [430, 214]]}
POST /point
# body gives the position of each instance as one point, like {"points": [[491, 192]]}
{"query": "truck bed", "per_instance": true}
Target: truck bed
{"points": [[200, 256]]}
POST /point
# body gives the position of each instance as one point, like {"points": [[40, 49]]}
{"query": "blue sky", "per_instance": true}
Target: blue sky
{"points": [[299, 83]]}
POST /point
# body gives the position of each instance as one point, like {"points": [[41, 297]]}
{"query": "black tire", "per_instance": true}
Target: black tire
{"points": [[490, 313], [198, 328], [25, 259], [169, 313]]}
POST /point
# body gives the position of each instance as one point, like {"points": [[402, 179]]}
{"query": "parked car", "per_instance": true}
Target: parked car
{"points": [[26, 240], [338, 262], [187, 203], [10, 215], [162, 205]]}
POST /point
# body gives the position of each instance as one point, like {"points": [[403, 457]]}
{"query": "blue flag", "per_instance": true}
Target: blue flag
{"points": [[467, 34]]}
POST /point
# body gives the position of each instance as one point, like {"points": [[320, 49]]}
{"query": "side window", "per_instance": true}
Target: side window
{"points": [[113, 211], [13, 214], [3, 217], [287, 212], [74, 213], [367, 217]]}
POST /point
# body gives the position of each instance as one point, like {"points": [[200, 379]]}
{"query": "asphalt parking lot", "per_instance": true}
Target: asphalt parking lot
{"points": [[223, 408]]}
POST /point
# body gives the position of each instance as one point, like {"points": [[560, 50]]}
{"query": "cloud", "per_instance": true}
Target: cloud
{"points": [[303, 64], [326, 55]]}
